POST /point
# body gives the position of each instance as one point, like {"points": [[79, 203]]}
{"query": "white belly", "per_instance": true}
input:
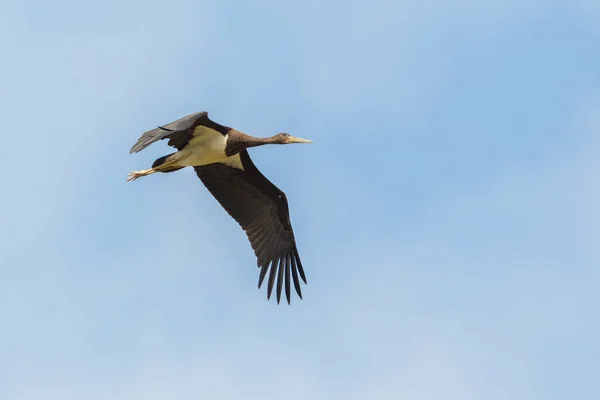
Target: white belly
{"points": [[206, 147]]}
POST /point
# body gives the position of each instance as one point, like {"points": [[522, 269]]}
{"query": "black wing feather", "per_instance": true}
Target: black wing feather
{"points": [[178, 132], [261, 209]]}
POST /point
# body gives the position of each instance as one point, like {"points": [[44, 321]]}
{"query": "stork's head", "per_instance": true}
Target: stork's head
{"points": [[286, 138]]}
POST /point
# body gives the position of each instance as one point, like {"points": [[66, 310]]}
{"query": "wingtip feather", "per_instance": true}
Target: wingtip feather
{"points": [[280, 273], [299, 264], [272, 275]]}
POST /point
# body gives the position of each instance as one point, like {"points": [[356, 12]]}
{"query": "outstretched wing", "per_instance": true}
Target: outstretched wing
{"points": [[178, 132], [261, 209]]}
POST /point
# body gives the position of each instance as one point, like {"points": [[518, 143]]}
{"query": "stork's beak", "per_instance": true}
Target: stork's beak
{"points": [[293, 139]]}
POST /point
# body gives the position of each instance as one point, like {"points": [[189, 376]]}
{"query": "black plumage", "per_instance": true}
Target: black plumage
{"points": [[261, 209], [258, 206]]}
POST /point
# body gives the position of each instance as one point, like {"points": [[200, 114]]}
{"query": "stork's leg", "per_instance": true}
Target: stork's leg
{"points": [[136, 174], [168, 163]]}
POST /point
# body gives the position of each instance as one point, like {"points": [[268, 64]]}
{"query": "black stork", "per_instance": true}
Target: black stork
{"points": [[220, 158]]}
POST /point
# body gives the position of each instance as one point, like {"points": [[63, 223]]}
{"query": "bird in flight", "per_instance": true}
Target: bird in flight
{"points": [[220, 158]]}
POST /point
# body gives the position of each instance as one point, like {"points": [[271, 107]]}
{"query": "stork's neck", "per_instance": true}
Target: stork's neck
{"points": [[238, 141]]}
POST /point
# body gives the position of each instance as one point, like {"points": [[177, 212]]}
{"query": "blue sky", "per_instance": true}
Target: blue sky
{"points": [[447, 214]]}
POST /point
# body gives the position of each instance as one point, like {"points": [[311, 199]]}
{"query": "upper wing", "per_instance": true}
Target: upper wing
{"points": [[178, 132], [261, 209]]}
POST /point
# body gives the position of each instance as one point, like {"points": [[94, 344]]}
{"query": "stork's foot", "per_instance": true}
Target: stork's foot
{"points": [[136, 174]]}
